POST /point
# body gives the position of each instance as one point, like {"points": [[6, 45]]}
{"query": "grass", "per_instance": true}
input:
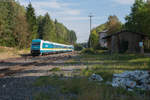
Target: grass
{"points": [[83, 89], [42, 96], [56, 69], [116, 63], [7, 52]]}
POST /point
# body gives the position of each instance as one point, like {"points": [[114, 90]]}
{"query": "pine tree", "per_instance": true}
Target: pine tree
{"points": [[46, 33], [40, 26], [32, 22]]}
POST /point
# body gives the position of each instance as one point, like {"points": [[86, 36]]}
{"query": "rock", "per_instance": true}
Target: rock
{"points": [[132, 79], [95, 77], [130, 84]]}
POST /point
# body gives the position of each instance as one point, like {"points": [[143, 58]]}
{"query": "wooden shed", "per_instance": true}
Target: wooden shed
{"points": [[124, 41]]}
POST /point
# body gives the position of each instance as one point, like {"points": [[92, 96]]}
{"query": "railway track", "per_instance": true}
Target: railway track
{"points": [[29, 62]]}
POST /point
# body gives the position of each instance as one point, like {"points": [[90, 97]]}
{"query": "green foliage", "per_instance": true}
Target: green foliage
{"points": [[88, 51], [138, 20], [113, 25], [88, 90], [13, 25], [94, 36], [94, 39], [54, 31], [42, 96], [78, 47], [18, 26], [32, 22], [72, 38], [55, 69]]}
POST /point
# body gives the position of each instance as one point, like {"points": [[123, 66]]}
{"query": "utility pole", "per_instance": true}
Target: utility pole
{"points": [[90, 26], [91, 22]]}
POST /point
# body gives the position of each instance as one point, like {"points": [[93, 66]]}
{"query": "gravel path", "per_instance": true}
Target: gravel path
{"points": [[19, 85], [20, 88]]}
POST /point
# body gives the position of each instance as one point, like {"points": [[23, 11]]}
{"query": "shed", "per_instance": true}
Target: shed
{"points": [[124, 41]]}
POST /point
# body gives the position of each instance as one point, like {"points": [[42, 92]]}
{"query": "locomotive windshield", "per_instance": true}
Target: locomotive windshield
{"points": [[36, 43]]}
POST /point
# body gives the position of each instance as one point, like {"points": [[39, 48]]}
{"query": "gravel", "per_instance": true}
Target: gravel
{"points": [[20, 88]]}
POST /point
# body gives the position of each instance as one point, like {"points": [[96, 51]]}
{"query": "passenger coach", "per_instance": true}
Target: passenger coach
{"points": [[40, 47]]}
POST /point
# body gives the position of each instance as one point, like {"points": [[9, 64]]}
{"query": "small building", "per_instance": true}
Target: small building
{"points": [[102, 42], [124, 41]]}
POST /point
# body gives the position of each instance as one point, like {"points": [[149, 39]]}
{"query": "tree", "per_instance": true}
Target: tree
{"points": [[72, 37], [132, 20], [13, 26], [18, 26], [40, 26], [94, 36], [46, 34], [139, 19], [93, 40], [113, 24], [46, 28], [32, 22]]}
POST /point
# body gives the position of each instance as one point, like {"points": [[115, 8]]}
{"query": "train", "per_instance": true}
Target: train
{"points": [[40, 47]]}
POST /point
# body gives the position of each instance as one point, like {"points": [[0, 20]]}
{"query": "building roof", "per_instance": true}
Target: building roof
{"points": [[123, 31]]}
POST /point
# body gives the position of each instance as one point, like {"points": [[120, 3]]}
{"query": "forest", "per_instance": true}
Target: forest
{"points": [[19, 25], [137, 21]]}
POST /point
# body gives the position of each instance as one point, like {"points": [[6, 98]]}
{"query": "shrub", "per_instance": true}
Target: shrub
{"points": [[88, 51], [78, 47], [55, 69]]}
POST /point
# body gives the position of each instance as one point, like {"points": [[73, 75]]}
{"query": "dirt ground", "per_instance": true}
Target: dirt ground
{"points": [[18, 73], [37, 66]]}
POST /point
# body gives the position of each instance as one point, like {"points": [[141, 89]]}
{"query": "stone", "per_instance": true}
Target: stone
{"points": [[95, 77], [132, 79]]}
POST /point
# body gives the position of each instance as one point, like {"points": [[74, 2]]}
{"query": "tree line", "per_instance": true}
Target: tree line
{"points": [[19, 25], [137, 21]]}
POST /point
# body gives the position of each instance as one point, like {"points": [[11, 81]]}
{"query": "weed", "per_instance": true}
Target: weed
{"points": [[42, 96], [55, 69]]}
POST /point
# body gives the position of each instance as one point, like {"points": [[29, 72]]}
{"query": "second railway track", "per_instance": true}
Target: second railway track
{"points": [[26, 62]]}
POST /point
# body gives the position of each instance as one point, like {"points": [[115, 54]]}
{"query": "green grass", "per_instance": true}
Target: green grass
{"points": [[56, 69], [42, 96], [85, 90], [108, 65], [116, 63]]}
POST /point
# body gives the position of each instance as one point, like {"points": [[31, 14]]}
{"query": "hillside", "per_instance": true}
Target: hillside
{"points": [[19, 25]]}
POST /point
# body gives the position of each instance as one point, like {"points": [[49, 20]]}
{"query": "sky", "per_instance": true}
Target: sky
{"points": [[74, 13]]}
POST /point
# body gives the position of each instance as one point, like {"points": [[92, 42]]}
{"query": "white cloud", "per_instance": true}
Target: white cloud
{"points": [[80, 18], [69, 11], [126, 2], [60, 8], [51, 4], [75, 18]]}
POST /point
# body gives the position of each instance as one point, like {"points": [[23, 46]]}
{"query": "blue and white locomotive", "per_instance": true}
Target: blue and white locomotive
{"points": [[40, 47]]}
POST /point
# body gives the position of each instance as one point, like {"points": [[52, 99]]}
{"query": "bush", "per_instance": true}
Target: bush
{"points": [[88, 51], [78, 47]]}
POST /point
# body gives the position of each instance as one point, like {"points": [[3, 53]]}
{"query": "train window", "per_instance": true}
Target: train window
{"points": [[36, 43]]}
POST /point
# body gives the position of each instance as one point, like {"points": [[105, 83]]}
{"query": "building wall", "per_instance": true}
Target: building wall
{"points": [[114, 44], [132, 39], [102, 42]]}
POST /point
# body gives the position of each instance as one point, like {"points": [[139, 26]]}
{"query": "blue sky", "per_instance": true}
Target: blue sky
{"points": [[74, 13]]}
